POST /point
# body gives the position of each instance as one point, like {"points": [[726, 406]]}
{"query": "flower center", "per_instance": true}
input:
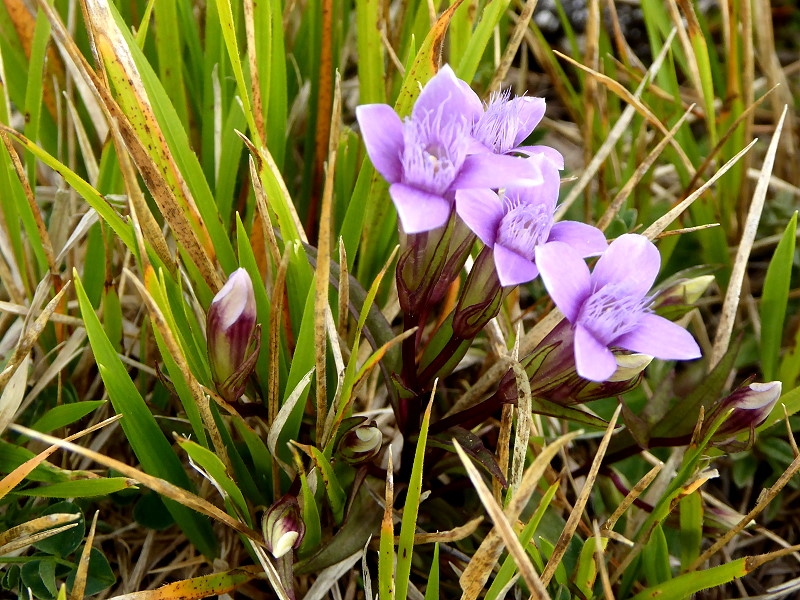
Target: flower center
{"points": [[611, 312], [433, 152], [524, 227]]}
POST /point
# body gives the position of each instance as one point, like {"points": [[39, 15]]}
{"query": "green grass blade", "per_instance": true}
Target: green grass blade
{"points": [[432, 589], [143, 433], [405, 546], [371, 76], [774, 300], [687, 584], [82, 488]]}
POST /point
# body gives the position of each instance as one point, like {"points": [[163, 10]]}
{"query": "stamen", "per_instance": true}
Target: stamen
{"points": [[612, 311]]}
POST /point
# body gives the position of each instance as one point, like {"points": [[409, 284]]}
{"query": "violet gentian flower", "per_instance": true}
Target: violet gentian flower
{"points": [[507, 122], [231, 330], [428, 156], [522, 220], [610, 307]]}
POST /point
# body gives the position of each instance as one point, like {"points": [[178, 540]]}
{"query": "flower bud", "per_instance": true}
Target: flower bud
{"points": [[629, 366], [282, 526], [361, 444], [231, 330], [743, 411]]}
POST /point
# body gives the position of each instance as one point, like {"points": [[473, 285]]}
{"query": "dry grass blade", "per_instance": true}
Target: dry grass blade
{"points": [[275, 322], [14, 392], [485, 558], [639, 173], [731, 304], [631, 497], [662, 223], [28, 339], [323, 272], [504, 529], [577, 510], [196, 588], [764, 500], [145, 139], [605, 582], [512, 47], [524, 427], [82, 572], [44, 236], [30, 532], [445, 537], [10, 481], [343, 312], [620, 127], [166, 489]]}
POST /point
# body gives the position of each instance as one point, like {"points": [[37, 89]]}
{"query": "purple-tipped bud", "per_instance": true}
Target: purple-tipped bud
{"points": [[282, 526], [743, 411], [231, 329], [361, 444]]}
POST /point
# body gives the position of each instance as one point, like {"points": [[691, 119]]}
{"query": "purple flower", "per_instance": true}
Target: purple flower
{"points": [[232, 335], [521, 221], [610, 307], [507, 122], [428, 156]]}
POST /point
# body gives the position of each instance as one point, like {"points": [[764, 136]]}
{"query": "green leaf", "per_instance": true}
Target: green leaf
{"points": [[408, 526], [81, 488], [774, 300], [687, 584], [212, 465], [691, 532], [432, 589], [334, 490], [63, 544], [655, 558], [65, 414], [141, 430]]}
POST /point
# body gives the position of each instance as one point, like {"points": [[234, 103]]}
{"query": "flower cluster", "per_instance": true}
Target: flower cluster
{"points": [[457, 162]]}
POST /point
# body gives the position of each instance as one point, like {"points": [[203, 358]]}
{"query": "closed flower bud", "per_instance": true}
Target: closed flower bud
{"points": [[743, 411], [361, 444], [232, 341], [683, 291], [629, 366], [282, 526]]}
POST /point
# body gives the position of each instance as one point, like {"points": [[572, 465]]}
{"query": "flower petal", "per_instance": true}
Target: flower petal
{"points": [[631, 259], [482, 211], [565, 276], [660, 337], [418, 210], [497, 171], [447, 93], [513, 269], [551, 154], [545, 193], [531, 111], [593, 360], [382, 131], [584, 239]]}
